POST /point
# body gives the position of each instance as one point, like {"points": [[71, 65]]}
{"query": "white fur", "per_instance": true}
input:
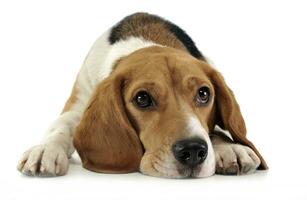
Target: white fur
{"points": [[232, 158], [58, 141], [121, 49], [225, 132], [195, 129]]}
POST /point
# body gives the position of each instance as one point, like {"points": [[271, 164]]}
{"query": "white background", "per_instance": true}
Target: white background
{"points": [[259, 46]]}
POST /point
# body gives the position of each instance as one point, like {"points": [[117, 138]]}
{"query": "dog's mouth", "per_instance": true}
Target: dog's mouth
{"points": [[190, 172]]}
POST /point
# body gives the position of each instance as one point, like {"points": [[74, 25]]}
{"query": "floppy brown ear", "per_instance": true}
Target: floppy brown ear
{"points": [[105, 139], [228, 115]]}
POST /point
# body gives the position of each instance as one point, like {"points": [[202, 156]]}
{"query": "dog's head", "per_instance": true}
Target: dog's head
{"points": [[154, 113]]}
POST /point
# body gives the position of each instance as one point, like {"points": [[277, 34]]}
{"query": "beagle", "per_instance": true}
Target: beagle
{"points": [[147, 100]]}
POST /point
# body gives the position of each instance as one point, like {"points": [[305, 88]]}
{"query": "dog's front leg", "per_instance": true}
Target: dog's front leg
{"points": [[50, 158], [232, 158]]}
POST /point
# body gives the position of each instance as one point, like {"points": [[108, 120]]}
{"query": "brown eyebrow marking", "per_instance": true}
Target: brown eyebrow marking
{"points": [[192, 81], [155, 89]]}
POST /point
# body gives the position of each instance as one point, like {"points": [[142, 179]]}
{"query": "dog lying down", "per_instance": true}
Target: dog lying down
{"points": [[147, 100]]}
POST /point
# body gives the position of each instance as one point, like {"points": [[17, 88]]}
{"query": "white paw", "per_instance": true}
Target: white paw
{"points": [[44, 160], [234, 159]]}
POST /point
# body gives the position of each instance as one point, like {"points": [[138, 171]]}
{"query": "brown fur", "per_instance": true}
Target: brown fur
{"points": [[112, 129], [104, 139]]}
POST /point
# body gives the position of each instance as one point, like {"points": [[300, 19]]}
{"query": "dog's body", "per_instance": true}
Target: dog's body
{"points": [[131, 109]]}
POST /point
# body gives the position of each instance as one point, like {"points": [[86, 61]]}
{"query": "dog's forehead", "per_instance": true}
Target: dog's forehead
{"points": [[162, 63]]}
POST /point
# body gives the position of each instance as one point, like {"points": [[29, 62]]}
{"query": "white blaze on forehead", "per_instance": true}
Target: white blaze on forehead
{"points": [[194, 127]]}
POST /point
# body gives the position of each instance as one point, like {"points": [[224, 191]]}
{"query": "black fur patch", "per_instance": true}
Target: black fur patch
{"points": [[185, 40], [118, 33]]}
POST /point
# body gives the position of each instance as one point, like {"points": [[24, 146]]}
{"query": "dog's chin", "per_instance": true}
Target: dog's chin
{"points": [[170, 168], [178, 172], [201, 171]]}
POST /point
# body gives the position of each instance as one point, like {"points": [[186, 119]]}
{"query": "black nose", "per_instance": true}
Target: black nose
{"points": [[191, 152]]}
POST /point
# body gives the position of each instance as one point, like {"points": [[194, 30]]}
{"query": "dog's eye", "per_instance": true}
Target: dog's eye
{"points": [[203, 95], [143, 100]]}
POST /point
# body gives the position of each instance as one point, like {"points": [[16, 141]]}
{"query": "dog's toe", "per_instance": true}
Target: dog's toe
{"points": [[233, 169], [44, 160], [235, 159]]}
